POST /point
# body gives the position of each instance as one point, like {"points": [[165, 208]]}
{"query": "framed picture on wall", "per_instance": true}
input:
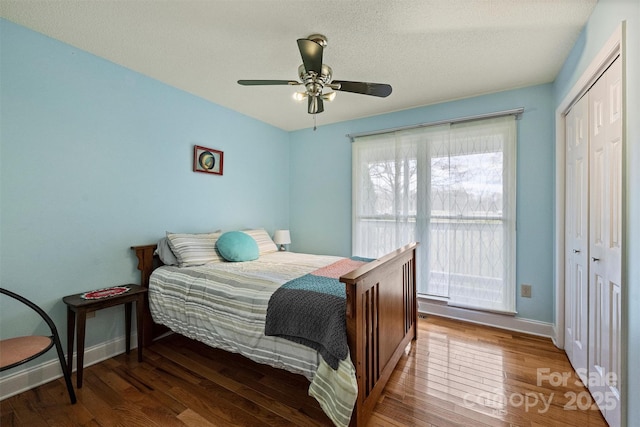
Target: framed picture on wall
{"points": [[207, 160]]}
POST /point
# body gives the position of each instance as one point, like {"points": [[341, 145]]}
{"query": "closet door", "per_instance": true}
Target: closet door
{"points": [[605, 245], [576, 239]]}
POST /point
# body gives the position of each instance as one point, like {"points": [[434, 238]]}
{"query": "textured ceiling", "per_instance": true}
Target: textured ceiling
{"points": [[429, 50]]}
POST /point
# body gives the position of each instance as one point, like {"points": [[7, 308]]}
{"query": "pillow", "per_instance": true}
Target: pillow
{"points": [[237, 246], [165, 253], [194, 249], [262, 238]]}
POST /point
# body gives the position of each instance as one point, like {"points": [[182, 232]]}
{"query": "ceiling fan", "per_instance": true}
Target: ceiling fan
{"points": [[316, 76]]}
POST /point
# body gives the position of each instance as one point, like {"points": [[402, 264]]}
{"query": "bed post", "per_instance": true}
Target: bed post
{"points": [[147, 262], [379, 333]]}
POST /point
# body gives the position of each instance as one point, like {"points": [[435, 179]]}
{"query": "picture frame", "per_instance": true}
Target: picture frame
{"points": [[207, 160]]}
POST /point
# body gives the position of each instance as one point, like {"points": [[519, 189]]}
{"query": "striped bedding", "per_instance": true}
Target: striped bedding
{"points": [[224, 305]]}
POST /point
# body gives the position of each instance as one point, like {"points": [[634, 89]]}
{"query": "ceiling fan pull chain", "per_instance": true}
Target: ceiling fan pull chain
{"points": [[314, 122]]}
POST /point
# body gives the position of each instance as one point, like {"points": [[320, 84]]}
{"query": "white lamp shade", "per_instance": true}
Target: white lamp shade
{"points": [[282, 237]]}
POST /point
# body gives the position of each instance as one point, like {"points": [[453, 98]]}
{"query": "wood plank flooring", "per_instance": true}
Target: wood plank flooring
{"points": [[455, 374]]}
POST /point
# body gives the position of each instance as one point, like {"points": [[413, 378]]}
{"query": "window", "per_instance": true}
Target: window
{"points": [[452, 188]]}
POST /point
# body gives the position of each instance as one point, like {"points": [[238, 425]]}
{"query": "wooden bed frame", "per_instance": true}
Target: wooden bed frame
{"points": [[381, 318]]}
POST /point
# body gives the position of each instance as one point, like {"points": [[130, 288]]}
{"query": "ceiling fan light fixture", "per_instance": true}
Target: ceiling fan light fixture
{"points": [[299, 96], [329, 96]]}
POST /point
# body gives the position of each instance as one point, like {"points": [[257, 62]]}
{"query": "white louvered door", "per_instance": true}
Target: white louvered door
{"points": [[577, 244], [605, 240]]}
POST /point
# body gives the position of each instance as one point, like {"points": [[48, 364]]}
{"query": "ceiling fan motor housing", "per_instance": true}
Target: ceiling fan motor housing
{"points": [[313, 82]]}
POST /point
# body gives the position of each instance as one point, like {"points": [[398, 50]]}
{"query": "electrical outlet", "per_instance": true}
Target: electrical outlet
{"points": [[525, 291]]}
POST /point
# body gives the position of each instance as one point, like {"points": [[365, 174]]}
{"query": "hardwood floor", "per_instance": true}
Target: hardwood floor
{"points": [[455, 374]]}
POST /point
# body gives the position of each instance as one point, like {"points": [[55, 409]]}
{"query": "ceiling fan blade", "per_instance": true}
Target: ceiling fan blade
{"points": [[315, 105], [374, 89], [311, 53], [267, 82]]}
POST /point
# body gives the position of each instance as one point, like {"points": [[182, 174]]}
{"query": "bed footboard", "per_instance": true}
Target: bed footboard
{"points": [[381, 322]]}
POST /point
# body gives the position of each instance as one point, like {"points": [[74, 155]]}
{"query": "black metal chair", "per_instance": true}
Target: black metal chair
{"points": [[19, 350]]}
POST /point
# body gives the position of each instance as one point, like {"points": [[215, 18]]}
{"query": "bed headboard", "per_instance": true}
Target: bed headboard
{"points": [[147, 262]]}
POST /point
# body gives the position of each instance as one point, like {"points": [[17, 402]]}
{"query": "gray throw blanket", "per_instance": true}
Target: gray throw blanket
{"points": [[311, 310]]}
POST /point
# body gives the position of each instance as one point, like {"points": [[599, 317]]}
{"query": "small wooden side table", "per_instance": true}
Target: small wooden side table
{"points": [[77, 306]]}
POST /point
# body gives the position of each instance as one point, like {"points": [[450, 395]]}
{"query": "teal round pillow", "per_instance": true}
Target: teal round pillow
{"points": [[236, 246]]}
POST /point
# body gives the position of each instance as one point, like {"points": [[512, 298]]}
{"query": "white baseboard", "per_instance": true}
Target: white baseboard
{"points": [[555, 338], [502, 321], [28, 378]]}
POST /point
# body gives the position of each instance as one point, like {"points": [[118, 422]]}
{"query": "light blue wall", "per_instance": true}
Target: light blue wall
{"points": [[321, 183], [95, 158], [606, 17]]}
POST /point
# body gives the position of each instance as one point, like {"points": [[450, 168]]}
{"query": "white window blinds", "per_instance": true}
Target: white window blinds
{"points": [[451, 187]]}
